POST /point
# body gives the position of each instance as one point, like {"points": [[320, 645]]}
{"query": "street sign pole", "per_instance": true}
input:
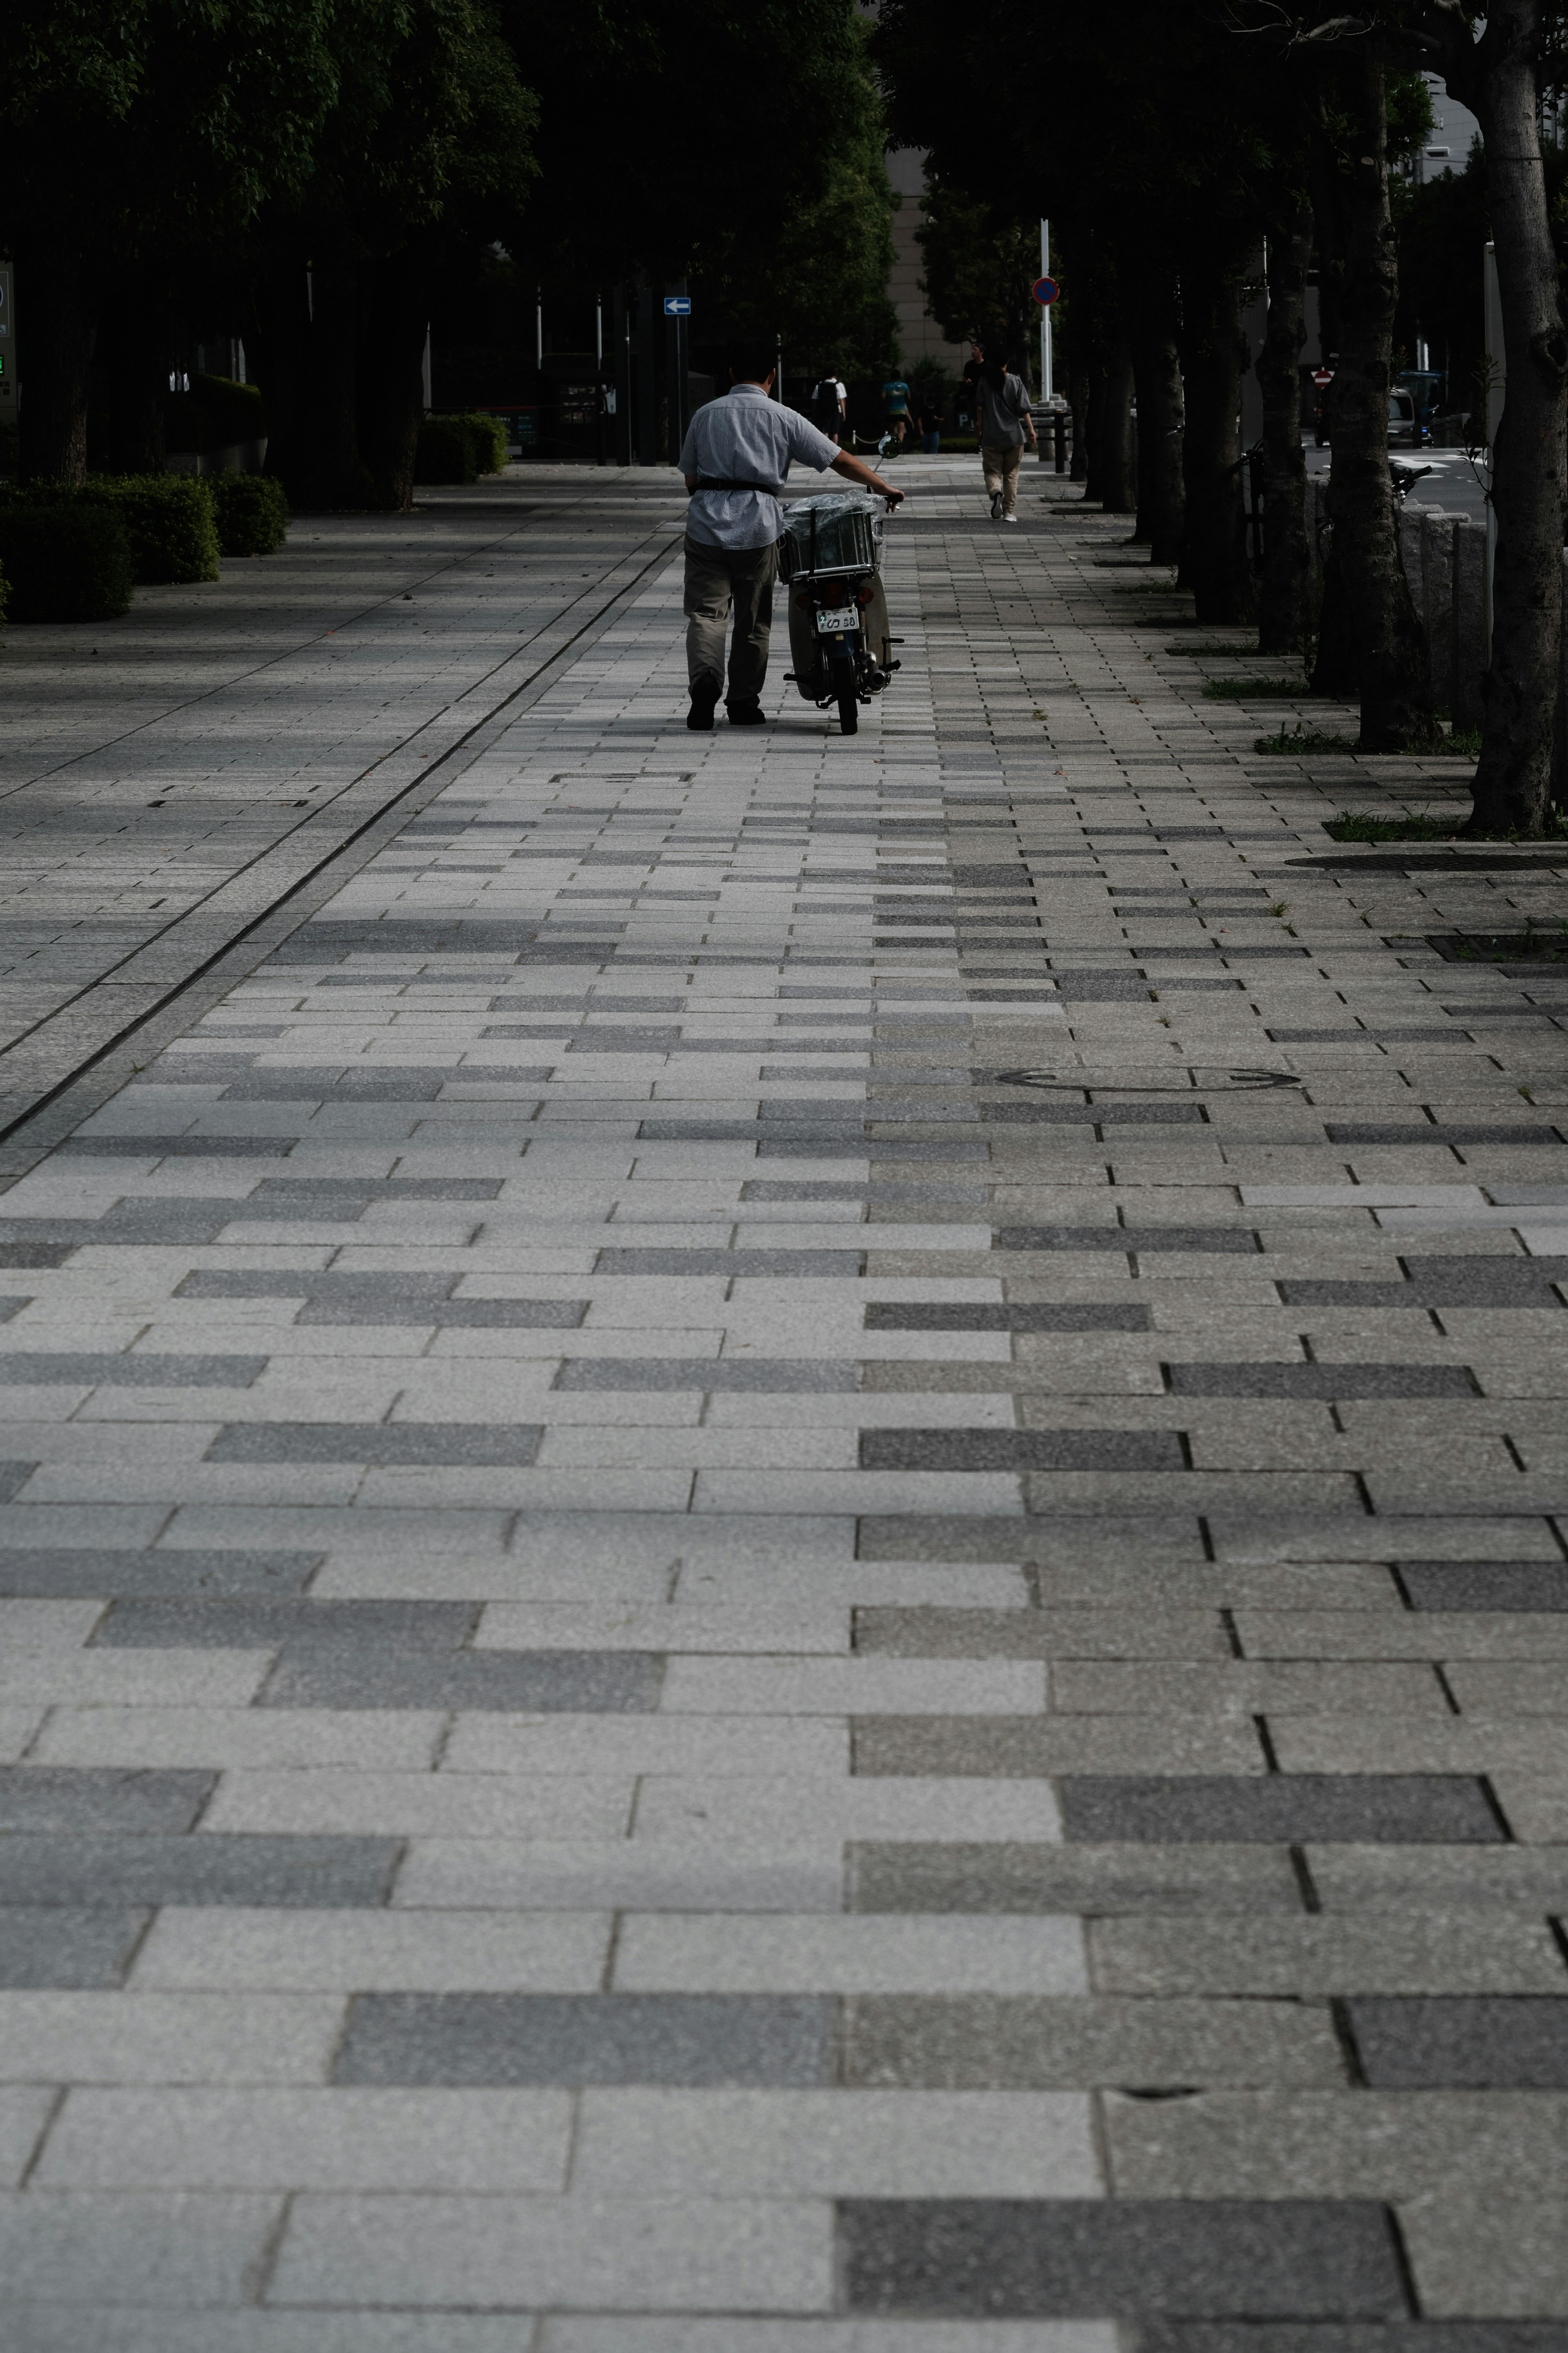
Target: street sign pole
{"points": [[1046, 388], [8, 403]]}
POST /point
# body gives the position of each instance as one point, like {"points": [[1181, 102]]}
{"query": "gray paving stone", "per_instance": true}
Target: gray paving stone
{"points": [[1021, 1450], [962, 1316], [1480, 1585], [166, 1569], [1226, 1241], [1321, 1380], [470, 1442], [779, 1373], [1006, 1876], [37, 1368], [1506, 2043], [70, 2248], [504, 2039], [1241, 2258], [208, 1868], [1407, 1809], [42, 1800], [53, 1944]]}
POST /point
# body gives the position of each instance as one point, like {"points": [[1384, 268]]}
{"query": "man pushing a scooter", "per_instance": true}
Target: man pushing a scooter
{"points": [[735, 458]]}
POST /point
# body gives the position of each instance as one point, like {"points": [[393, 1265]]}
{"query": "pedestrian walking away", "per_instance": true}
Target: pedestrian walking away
{"points": [[830, 408], [1005, 423], [736, 457], [896, 409], [929, 420]]}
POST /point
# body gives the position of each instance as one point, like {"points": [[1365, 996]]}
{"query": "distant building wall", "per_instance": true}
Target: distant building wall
{"points": [[921, 336], [1453, 128]]}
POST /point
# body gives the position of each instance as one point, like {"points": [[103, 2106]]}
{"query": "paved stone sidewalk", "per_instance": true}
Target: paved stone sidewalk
{"points": [[783, 1548]]}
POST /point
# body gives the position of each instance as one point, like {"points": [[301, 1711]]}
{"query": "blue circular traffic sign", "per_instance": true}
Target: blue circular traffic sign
{"points": [[1045, 289]]}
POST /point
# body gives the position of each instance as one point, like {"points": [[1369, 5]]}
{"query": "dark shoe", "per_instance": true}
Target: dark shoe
{"points": [[995, 504], [746, 714], [704, 702]]}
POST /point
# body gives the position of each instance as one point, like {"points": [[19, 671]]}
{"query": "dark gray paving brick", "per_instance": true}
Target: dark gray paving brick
{"points": [[331, 1298], [1515, 2042], [27, 1252], [1076, 2259], [1006, 1876], [1413, 1131], [1441, 1282], [1012, 2043], [472, 1443], [728, 1261], [306, 1282], [783, 1373], [943, 1316], [516, 1682], [172, 1147], [495, 2039], [69, 1798], [208, 1868], [1021, 1450], [1485, 1584], [1321, 1380], [1100, 1114], [53, 1944], [1352, 2337], [245, 1622], [350, 1085], [63, 1576], [22, 1367], [1227, 1240], [296, 1190], [1401, 1809]]}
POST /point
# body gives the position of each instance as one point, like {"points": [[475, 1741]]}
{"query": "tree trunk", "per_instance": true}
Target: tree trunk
{"points": [[1390, 646], [1284, 469], [54, 301], [1094, 476], [1118, 479], [392, 373], [1079, 401], [276, 339], [1513, 787], [1157, 368], [1215, 354], [136, 339]]}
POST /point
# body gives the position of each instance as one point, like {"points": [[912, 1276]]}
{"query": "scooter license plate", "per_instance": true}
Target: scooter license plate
{"points": [[836, 620]]}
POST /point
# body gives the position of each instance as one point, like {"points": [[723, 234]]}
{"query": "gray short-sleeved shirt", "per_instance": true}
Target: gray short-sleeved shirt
{"points": [[746, 438], [1002, 414]]}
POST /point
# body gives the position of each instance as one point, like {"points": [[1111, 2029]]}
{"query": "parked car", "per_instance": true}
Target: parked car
{"points": [[1403, 419]]}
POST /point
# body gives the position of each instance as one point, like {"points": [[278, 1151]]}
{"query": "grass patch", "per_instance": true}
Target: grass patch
{"points": [[1292, 741], [1532, 946], [1256, 690], [1359, 825], [1212, 649]]}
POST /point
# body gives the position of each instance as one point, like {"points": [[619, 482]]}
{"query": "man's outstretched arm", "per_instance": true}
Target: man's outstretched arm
{"points": [[854, 470]]}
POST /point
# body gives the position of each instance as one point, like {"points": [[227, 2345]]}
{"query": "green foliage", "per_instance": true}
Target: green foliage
{"points": [[1293, 741], [979, 266], [1359, 825], [64, 561], [168, 518], [250, 511], [446, 451], [489, 436]]}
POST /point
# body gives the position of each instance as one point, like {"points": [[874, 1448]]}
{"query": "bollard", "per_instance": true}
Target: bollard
{"points": [[1436, 598], [1059, 439], [1469, 622]]}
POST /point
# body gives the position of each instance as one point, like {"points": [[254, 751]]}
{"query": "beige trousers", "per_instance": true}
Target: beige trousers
{"points": [[716, 579], [1002, 474]]}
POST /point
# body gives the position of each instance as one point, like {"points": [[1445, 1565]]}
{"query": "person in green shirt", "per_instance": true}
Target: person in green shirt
{"points": [[896, 409]]}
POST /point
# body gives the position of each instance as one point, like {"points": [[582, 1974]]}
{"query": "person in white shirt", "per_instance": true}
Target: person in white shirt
{"points": [[735, 458]]}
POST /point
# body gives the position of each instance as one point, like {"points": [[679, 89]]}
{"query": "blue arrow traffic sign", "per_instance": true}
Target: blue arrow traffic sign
{"points": [[1045, 289], [678, 306]]}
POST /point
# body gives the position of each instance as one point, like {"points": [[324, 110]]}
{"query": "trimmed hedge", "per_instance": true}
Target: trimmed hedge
{"points": [[64, 560], [459, 447], [251, 513], [169, 520]]}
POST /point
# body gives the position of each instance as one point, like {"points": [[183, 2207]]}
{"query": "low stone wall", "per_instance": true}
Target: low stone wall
{"points": [[1445, 559]]}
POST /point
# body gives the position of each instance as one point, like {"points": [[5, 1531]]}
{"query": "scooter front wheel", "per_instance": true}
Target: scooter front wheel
{"points": [[849, 710]]}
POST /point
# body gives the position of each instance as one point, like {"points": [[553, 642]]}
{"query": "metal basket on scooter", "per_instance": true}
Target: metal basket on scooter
{"points": [[835, 532]]}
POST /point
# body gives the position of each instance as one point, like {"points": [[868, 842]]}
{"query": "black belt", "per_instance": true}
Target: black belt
{"points": [[714, 482]]}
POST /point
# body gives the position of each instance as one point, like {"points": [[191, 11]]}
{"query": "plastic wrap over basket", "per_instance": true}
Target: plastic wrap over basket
{"points": [[847, 537]]}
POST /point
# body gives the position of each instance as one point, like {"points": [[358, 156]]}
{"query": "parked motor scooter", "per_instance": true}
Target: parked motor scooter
{"points": [[830, 562]]}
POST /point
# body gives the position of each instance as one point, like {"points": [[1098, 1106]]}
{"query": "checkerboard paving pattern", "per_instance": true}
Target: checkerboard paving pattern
{"points": [[784, 1548]]}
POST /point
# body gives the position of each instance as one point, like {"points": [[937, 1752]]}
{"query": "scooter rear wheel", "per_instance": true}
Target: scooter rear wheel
{"points": [[848, 710]]}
